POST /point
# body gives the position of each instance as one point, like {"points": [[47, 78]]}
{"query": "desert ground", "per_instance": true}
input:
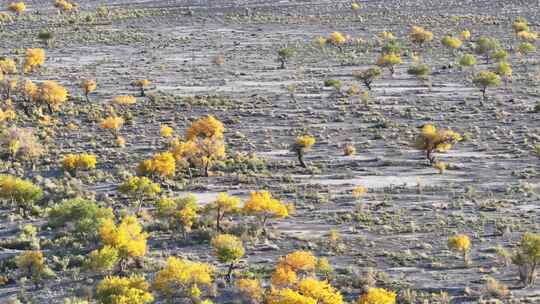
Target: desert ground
{"points": [[220, 58]]}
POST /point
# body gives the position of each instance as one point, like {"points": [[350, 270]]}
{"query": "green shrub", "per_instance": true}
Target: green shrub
{"points": [[83, 217], [527, 258]]}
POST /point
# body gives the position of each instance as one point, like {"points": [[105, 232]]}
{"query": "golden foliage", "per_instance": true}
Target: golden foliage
{"points": [[103, 259], [8, 66], [419, 35], [124, 290], [465, 35], [359, 191], [180, 276], [52, 93], [205, 127], [337, 38], [433, 140], [321, 291], [440, 166], [113, 123], [127, 237], [82, 161], [181, 212], [377, 296], [162, 165], [228, 248], [460, 243], [166, 131], [124, 100], [263, 205], [251, 289], [32, 264], [349, 150], [17, 7], [288, 296], [35, 58], [65, 6], [139, 186], [305, 141], [451, 42], [88, 86]]}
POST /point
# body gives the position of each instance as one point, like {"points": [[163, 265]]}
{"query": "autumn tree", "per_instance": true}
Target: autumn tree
{"points": [[251, 290], [52, 94], [123, 290], [262, 205], [467, 61], [527, 258], [504, 70], [432, 140], [112, 123], [486, 46], [228, 249], [389, 61], [337, 39], [377, 296], [204, 145], [19, 192], [181, 212], [17, 7], [21, 144], [462, 244], [35, 58], [223, 205], [367, 76], [419, 35], [161, 165], [139, 188], [142, 85], [452, 43], [301, 145], [484, 80], [88, 86], [183, 279], [284, 55], [32, 265], [127, 238]]}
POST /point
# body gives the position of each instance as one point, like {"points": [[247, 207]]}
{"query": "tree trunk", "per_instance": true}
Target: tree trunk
{"points": [[300, 154]]}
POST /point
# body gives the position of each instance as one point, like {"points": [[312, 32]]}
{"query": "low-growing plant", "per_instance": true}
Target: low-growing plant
{"points": [[32, 265], [419, 35], [21, 144], [421, 71], [20, 193], [181, 212], [452, 43], [80, 216], [17, 7], [139, 188], [76, 162]]}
